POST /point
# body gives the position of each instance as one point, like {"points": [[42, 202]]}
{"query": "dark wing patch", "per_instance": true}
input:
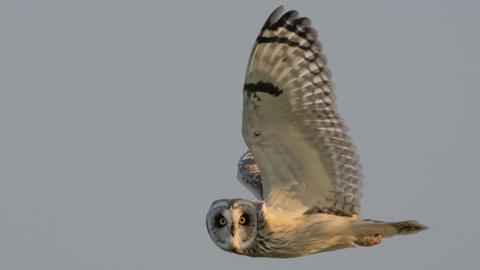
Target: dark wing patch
{"points": [[264, 87]]}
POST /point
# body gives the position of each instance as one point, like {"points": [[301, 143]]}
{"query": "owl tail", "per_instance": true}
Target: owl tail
{"points": [[368, 227]]}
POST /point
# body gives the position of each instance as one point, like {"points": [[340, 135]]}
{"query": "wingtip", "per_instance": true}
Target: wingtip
{"points": [[281, 7], [274, 16]]}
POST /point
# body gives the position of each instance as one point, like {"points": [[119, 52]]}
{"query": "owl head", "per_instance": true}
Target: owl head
{"points": [[232, 224]]}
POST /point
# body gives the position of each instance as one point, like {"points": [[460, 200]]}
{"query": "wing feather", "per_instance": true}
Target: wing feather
{"points": [[306, 160], [249, 175]]}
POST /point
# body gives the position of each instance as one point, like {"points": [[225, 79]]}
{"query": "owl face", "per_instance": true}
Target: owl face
{"points": [[232, 224]]}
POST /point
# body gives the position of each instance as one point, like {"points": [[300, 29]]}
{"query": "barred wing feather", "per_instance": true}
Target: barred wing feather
{"points": [[307, 162]]}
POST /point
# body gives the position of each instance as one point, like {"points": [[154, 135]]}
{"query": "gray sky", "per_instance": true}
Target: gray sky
{"points": [[120, 124]]}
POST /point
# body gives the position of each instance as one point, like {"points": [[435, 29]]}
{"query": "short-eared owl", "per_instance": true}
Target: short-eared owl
{"points": [[301, 165]]}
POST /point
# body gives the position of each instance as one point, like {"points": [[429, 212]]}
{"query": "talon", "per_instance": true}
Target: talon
{"points": [[369, 240]]}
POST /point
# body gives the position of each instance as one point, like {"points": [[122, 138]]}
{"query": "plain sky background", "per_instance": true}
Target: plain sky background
{"points": [[120, 124]]}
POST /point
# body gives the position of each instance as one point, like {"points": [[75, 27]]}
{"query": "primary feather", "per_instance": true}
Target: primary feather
{"points": [[307, 161]]}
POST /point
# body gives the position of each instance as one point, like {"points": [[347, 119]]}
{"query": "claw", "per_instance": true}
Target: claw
{"points": [[369, 240]]}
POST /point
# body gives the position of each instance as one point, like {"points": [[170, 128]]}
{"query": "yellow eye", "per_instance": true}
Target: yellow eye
{"points": [[242, 220], [222, 221]]}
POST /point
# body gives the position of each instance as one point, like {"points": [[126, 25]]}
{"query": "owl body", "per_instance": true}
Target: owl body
{"points": [[279, 237], [304, 235], [301, 166]]}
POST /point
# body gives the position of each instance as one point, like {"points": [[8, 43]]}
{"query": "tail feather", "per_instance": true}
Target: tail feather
{"points": [[387, 229], [408, 227]]}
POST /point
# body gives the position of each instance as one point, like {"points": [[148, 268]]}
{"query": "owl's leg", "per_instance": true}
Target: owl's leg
{"points": [[368, 240]]}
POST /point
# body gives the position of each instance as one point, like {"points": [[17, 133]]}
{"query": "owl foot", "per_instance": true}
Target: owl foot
{"points": [[369, 240]]}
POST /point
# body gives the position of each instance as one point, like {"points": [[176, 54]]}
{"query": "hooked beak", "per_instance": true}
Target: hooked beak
{"points": [[236, 247], [235, 239]]}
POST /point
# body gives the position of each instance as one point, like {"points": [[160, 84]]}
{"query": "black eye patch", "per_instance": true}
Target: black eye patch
{"points": [[220, 221], [244, 219]]}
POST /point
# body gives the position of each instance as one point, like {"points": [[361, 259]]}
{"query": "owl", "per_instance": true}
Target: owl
{"points": [[301, 165]]}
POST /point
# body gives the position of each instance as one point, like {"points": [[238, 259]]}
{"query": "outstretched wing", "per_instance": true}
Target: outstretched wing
{"points": [[307, 161]]}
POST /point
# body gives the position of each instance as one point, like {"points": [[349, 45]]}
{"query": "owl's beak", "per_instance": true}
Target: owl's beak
{"points": [[235, 239], [236, 247], [233, 229]]}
